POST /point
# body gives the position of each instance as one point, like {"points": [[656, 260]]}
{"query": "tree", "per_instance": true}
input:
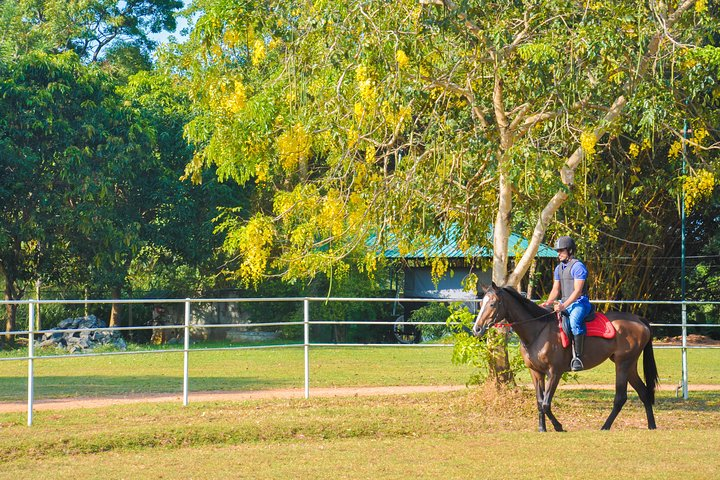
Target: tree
{"points": [[402, 119], [49, 108], [443, 112], [87, 27], [180, 230]]}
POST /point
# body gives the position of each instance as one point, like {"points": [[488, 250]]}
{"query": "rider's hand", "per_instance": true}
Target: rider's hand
{"points": [[558, 307]]}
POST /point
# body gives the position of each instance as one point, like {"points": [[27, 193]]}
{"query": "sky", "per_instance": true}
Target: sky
{"points": [[163, 37]]}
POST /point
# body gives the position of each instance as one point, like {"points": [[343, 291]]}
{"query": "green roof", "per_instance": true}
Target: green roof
{"points": [[447, 247]]}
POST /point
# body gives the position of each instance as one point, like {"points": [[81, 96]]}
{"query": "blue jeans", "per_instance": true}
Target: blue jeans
{"points": [[577, 311]]}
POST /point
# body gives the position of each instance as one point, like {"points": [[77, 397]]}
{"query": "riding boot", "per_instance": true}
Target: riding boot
{"points": [[576, 365]]}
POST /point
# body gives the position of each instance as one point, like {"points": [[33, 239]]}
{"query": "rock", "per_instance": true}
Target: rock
{"points": [[82, 340]]}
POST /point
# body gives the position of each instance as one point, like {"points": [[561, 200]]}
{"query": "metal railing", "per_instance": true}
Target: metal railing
{"points": [[306, 323]]}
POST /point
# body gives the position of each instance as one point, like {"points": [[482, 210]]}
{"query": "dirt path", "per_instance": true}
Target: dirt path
{"points": [[221, 396]]}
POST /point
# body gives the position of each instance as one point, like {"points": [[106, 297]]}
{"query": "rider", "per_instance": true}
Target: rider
{"points": [[570, 280]]}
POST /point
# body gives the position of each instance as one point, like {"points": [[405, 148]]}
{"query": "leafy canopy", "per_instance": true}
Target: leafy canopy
{"points": [[395, 120]]}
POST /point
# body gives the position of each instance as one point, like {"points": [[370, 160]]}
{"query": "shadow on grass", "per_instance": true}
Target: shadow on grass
{"points": [[700, 401], [48, 387]]}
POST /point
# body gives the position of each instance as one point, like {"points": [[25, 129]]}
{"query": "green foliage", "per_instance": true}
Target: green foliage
{"points": [[437, 113], [478, 353], [86, 27], [433, 312], [91, 189]]}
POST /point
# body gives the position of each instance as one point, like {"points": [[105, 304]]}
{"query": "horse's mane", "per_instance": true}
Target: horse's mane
{"points": [[532, 308]]}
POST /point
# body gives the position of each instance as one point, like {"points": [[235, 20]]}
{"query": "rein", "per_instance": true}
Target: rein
{"points": [[521, 322], [528, 320]]}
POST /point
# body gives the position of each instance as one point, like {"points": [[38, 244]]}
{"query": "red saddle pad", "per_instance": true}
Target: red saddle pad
{"points": [[599, 326]]}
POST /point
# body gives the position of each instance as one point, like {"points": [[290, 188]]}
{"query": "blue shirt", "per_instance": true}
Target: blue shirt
{"points": [[578, 271]]}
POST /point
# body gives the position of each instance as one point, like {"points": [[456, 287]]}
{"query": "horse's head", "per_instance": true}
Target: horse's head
{"points": [[491, 311]]}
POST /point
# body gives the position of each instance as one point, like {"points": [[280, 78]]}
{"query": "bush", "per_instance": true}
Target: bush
{"points": [[470, 350], [433, 312]]}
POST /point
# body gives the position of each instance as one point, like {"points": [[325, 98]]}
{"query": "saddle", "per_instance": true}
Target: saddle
{"points": [[596, 325]]}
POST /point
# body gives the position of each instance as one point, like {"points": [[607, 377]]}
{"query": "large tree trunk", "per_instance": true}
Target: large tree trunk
{"points": [[500, 361], [115, 310]]}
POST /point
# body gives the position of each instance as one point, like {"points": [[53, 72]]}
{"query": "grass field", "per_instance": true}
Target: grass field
{"points": [[473, 433], [264, 369]]}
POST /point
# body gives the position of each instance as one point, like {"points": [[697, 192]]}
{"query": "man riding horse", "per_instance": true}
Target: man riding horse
{"points": [[570, 284]]}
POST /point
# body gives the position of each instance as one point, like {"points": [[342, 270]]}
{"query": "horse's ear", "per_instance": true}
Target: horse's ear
{"points": [[495, 287], [482, 289]]}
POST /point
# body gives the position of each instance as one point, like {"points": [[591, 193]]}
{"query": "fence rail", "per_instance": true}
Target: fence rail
{"points": [[186, 326]]}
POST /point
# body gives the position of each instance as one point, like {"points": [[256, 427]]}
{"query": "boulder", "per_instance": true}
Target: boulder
{"points": [[81, 340]]}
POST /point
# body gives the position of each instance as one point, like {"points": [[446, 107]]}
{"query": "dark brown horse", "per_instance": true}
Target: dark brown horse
{"points": [[545, 356]]}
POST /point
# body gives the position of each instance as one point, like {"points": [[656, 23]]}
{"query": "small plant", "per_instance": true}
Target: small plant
{"points": [[470, 350], [434, 312]]}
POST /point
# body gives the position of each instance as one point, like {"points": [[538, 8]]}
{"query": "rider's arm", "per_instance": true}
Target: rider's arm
{"points": [[554, 293]]}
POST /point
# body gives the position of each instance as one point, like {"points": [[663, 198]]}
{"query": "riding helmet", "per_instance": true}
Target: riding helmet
{"points": [[566, 243]]}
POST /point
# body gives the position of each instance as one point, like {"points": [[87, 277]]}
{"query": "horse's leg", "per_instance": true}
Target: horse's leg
{"points": [[550, 387], [643, 393], [621, 381], [539, 382]]}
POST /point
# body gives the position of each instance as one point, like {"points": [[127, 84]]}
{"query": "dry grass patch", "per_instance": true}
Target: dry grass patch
{"points": [[598, 455], [472, 412], [474, 433]]}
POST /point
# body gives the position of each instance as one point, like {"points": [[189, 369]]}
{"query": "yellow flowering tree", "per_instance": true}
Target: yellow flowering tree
{"points": [[374, 119]]}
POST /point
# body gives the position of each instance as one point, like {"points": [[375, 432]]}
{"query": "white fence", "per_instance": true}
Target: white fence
{"points": [[31, 333]]}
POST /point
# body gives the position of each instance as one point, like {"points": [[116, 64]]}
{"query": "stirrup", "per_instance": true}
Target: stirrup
{"points": [[576, 365]]}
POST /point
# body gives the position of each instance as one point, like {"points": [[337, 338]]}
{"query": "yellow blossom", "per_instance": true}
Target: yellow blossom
{"points": [[697, 187], [366, 84], [634, 150], [587, 142], [439, 267], [236, 101], [261, 172], [402, 59], [699, 136], [294, 147], [231, 37], [675, 150], [370, 155], [259, 53], [352, 138], [359, 110], [332, 213], [253, 242], [367, 91]]}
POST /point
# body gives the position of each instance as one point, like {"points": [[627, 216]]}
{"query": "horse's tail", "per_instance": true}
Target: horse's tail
{"points": [[650, 368]]}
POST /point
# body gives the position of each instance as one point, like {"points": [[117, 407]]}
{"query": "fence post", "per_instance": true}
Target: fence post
{"points": [[31, 356], [306, 328], [186, 353], [684, 352]]}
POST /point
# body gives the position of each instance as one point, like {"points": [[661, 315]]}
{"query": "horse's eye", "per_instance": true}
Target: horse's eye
{"points": [[493, 304]]}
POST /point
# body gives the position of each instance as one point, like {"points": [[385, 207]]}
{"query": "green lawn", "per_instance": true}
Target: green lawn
{"points": [[259, 369], [472, 433]]}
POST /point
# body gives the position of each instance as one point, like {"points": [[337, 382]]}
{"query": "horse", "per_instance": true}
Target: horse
{"points": [[545, 356]]}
